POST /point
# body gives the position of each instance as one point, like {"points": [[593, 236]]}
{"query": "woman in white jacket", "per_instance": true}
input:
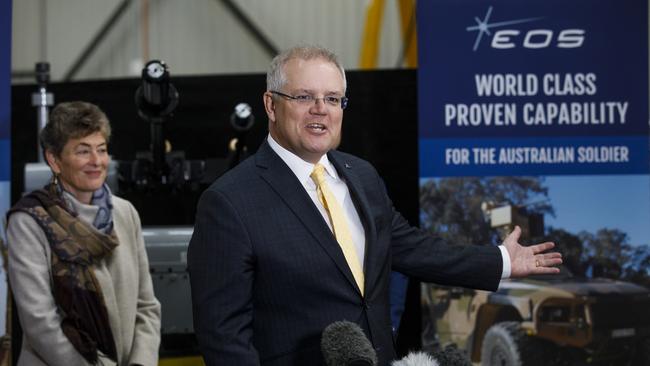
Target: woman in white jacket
{"points": [[77, 262]]}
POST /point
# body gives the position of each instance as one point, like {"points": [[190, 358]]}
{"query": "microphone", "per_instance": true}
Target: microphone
{"points": [[416, 359], [449, 356], [343, 343], [453, 356]]}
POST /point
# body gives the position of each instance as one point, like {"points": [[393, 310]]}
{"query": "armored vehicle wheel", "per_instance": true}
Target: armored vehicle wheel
{"points": [[506, 344]]}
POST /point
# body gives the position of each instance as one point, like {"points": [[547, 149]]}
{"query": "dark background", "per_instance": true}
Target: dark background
{"points": [[380, 125]]}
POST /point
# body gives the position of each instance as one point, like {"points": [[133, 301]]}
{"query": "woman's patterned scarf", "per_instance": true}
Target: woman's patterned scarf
{"points": [[76, 248]]}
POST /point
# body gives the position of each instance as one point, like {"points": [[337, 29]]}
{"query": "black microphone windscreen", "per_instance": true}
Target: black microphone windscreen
{"points": [[452, 356], [344, 344]]}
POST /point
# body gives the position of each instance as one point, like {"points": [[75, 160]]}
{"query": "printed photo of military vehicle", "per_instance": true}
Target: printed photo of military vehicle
{"points": [[545, 320], [595, 312]]}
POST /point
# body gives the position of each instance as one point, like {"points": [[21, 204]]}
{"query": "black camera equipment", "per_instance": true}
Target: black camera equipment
{"points": [[156, 99], [162, 183], [241, 120]]}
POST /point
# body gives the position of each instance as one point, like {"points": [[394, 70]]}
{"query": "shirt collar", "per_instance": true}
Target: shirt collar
{"points": [[302, 169]]}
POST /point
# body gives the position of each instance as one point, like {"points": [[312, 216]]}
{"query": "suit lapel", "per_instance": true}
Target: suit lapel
{"points": [[350, 174], [282, 180]]}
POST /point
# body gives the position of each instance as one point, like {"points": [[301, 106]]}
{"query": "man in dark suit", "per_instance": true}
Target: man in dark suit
{"points": [[268, 267]]}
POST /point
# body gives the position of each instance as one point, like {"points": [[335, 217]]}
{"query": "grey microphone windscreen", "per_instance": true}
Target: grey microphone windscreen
{"points": [[343, 343]]}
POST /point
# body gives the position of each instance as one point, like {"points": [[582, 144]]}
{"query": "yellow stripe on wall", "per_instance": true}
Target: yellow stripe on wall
{"points": [[409, 32], [371, 33]]}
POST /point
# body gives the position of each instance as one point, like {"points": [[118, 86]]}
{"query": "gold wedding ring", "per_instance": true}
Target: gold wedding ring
{"points": [[536, 262]]}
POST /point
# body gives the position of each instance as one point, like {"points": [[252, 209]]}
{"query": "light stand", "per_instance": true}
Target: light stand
{"points": [[42, 100]]}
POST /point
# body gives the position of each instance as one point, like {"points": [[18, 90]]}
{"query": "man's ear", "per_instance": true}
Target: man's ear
{"points": [[269, 106], [52, 161]]}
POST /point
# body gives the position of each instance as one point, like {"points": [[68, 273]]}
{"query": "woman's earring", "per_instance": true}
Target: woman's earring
{"points": [[55, 179]]}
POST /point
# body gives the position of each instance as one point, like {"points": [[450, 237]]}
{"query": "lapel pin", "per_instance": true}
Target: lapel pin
{"points": [[348, 165]]}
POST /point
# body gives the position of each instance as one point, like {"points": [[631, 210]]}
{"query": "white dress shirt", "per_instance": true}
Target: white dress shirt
{"points": [[303, 169], [339, 188]]}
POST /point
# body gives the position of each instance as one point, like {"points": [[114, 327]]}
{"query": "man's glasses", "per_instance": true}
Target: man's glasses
{"points": [[308, 99]]}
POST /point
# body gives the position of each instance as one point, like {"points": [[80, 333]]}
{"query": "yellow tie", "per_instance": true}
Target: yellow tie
{"points": [[339, 224]]}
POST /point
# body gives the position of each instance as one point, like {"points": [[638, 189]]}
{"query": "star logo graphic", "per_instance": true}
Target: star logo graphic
{"points": [[483, 26]]}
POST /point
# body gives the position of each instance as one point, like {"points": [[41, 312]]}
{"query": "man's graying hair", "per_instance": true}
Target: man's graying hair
{"points": [[276, 78]]}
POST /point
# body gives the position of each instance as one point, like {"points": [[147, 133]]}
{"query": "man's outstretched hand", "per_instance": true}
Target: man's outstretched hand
{"points": [[527, 260]]}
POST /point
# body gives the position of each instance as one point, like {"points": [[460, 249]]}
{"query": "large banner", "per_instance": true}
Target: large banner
{"points": [[535, 113], [5, 134], [532, 88]]}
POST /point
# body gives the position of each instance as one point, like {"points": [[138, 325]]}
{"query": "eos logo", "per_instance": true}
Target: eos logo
{"points": [[538, 38], [532, 39]]}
